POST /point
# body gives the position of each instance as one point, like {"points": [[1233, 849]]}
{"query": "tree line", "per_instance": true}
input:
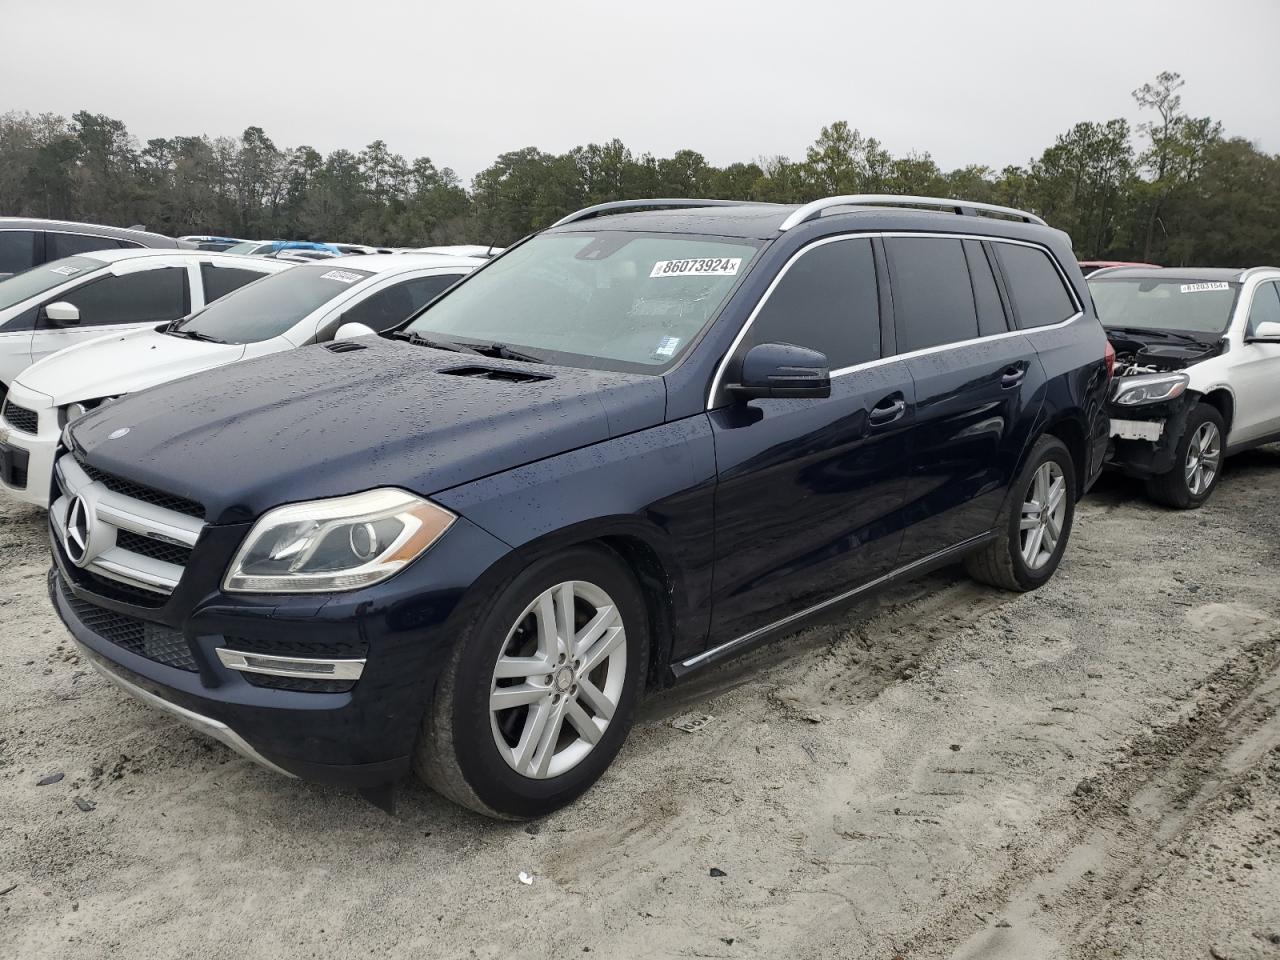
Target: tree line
{"points": [[1174, 190]]}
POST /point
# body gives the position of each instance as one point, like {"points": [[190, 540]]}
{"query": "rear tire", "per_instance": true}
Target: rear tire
{"points": [[522, 722], [1031, 538], [1197, 462]]}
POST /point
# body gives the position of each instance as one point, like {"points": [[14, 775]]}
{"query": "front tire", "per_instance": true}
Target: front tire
{"points": [[541, 689], [1035, 525], [1197, 462]]}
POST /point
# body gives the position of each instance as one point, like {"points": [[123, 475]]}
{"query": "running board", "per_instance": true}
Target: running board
{"points": [[796, 620]]}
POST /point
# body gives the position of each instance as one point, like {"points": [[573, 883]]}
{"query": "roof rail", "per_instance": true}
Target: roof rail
{"points": [[616, 206], [964, 207]]}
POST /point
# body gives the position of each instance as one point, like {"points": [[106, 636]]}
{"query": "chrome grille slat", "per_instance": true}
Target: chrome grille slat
{"points": [[138, 543]]}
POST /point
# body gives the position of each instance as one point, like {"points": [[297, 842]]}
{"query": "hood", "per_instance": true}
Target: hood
{"points": [[323, 421], [1155, 353], [123, 363]]}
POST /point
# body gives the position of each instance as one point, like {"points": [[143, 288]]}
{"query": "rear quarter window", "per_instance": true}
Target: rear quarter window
{"points": [[1038, 292]]}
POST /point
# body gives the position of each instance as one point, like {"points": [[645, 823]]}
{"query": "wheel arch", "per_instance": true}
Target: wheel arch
{"points": [[1223, 400], [1071, 431]]}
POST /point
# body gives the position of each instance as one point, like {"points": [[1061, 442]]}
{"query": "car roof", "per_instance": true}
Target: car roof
{"points": [[115, 256], [1195, 274], [72, 226], [763, 221], [391, 262]]}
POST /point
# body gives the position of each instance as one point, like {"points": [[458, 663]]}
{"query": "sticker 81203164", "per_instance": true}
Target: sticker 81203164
{"points": [[698, 267], [1203, 287]]}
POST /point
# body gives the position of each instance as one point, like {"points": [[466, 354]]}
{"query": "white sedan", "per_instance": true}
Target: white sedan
{"points": [[59, 304], [304, 304]]}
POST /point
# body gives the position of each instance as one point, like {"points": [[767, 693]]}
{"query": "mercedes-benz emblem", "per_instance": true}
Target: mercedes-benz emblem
{"points": [[76, 537]]}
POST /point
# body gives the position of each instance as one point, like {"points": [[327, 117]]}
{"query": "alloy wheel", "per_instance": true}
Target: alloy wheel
{"points": [[1043, 513], [558, 679], [1204, 454]]}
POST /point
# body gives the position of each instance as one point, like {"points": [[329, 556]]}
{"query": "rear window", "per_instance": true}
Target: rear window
{"points": [[69, 244], [932, 296], [1035, 286], [219, 281]]}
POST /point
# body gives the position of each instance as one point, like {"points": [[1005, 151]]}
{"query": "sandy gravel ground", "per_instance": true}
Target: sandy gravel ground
{"points": [[1089, 771]]}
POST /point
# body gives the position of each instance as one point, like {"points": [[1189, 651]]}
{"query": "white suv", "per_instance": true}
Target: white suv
{"points": [[1197, 371], [305, 304]]}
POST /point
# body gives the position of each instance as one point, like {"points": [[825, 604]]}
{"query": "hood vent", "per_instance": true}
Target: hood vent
{"points": [[344, 346], [495, 373]]}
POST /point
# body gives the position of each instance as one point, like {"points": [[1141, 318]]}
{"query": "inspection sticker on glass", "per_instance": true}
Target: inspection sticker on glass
{"points": [[1201, 287], [341, 276], [667, 347], [65, 271], [704, 267]]}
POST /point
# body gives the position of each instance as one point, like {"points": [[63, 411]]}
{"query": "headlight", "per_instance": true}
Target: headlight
{"points": [[339, 544], [1150, 388]]}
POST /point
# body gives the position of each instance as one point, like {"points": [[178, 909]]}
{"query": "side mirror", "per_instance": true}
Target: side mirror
{"points": [[1268, 332], [62, 313], [349, 331], [782, 370]]}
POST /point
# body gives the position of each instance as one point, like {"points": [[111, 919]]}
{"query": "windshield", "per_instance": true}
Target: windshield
{"points": [[38, 280], [245, 246], [268, 307], [634, 301], [1181, 306]]}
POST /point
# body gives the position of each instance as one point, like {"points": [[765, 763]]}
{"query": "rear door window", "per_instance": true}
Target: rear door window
{"points": [[17, 250], [827, 301], [219, 281], [933, 297], [1036, 288], [151, 296]]}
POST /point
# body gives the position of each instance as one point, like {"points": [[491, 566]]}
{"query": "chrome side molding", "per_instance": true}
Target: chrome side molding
{"points": [[305, 667]]}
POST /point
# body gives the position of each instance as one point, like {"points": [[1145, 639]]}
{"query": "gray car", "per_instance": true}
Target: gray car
{"points": [[27, 243]]}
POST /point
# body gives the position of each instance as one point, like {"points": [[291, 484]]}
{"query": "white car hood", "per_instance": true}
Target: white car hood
{"points": [[122, 363]]}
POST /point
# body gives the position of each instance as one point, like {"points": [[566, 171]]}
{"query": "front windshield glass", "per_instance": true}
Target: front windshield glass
{"points": [[268, 307], [41, 279], [632, 300], [1181, 306], [245, 246]]}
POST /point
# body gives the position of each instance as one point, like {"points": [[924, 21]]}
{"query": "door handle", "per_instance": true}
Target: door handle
{"points": [[1013, 376], [887, 411]]}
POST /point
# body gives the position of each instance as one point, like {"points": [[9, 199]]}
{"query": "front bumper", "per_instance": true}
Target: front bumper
{"points": [[1144, 439], [361, 734], [26, 459]]}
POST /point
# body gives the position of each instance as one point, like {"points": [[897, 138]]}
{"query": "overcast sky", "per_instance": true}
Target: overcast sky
{"points": [[970, 81]]}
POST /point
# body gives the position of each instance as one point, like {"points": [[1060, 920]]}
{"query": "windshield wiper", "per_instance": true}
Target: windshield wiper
{"points": [[419, 340], [195, 335], [503, 352]]}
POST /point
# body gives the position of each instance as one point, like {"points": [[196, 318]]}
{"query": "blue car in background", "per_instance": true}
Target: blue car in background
{"points": [[267, 248]]}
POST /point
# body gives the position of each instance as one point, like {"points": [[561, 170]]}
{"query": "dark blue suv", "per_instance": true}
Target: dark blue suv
{"points": [[636, 443]]}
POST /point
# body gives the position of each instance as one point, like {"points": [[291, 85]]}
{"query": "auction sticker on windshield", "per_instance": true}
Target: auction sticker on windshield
{"points": [[703, 267], [1201, 287], [341, 276]]}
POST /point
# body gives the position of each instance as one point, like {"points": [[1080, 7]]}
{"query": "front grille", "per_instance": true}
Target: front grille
{"points": [[21, 418], [151, 640], [153, 548], [136, 491]]}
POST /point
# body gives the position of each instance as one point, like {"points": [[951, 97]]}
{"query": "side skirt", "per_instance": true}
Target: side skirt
{"points": [[795, 621]]}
